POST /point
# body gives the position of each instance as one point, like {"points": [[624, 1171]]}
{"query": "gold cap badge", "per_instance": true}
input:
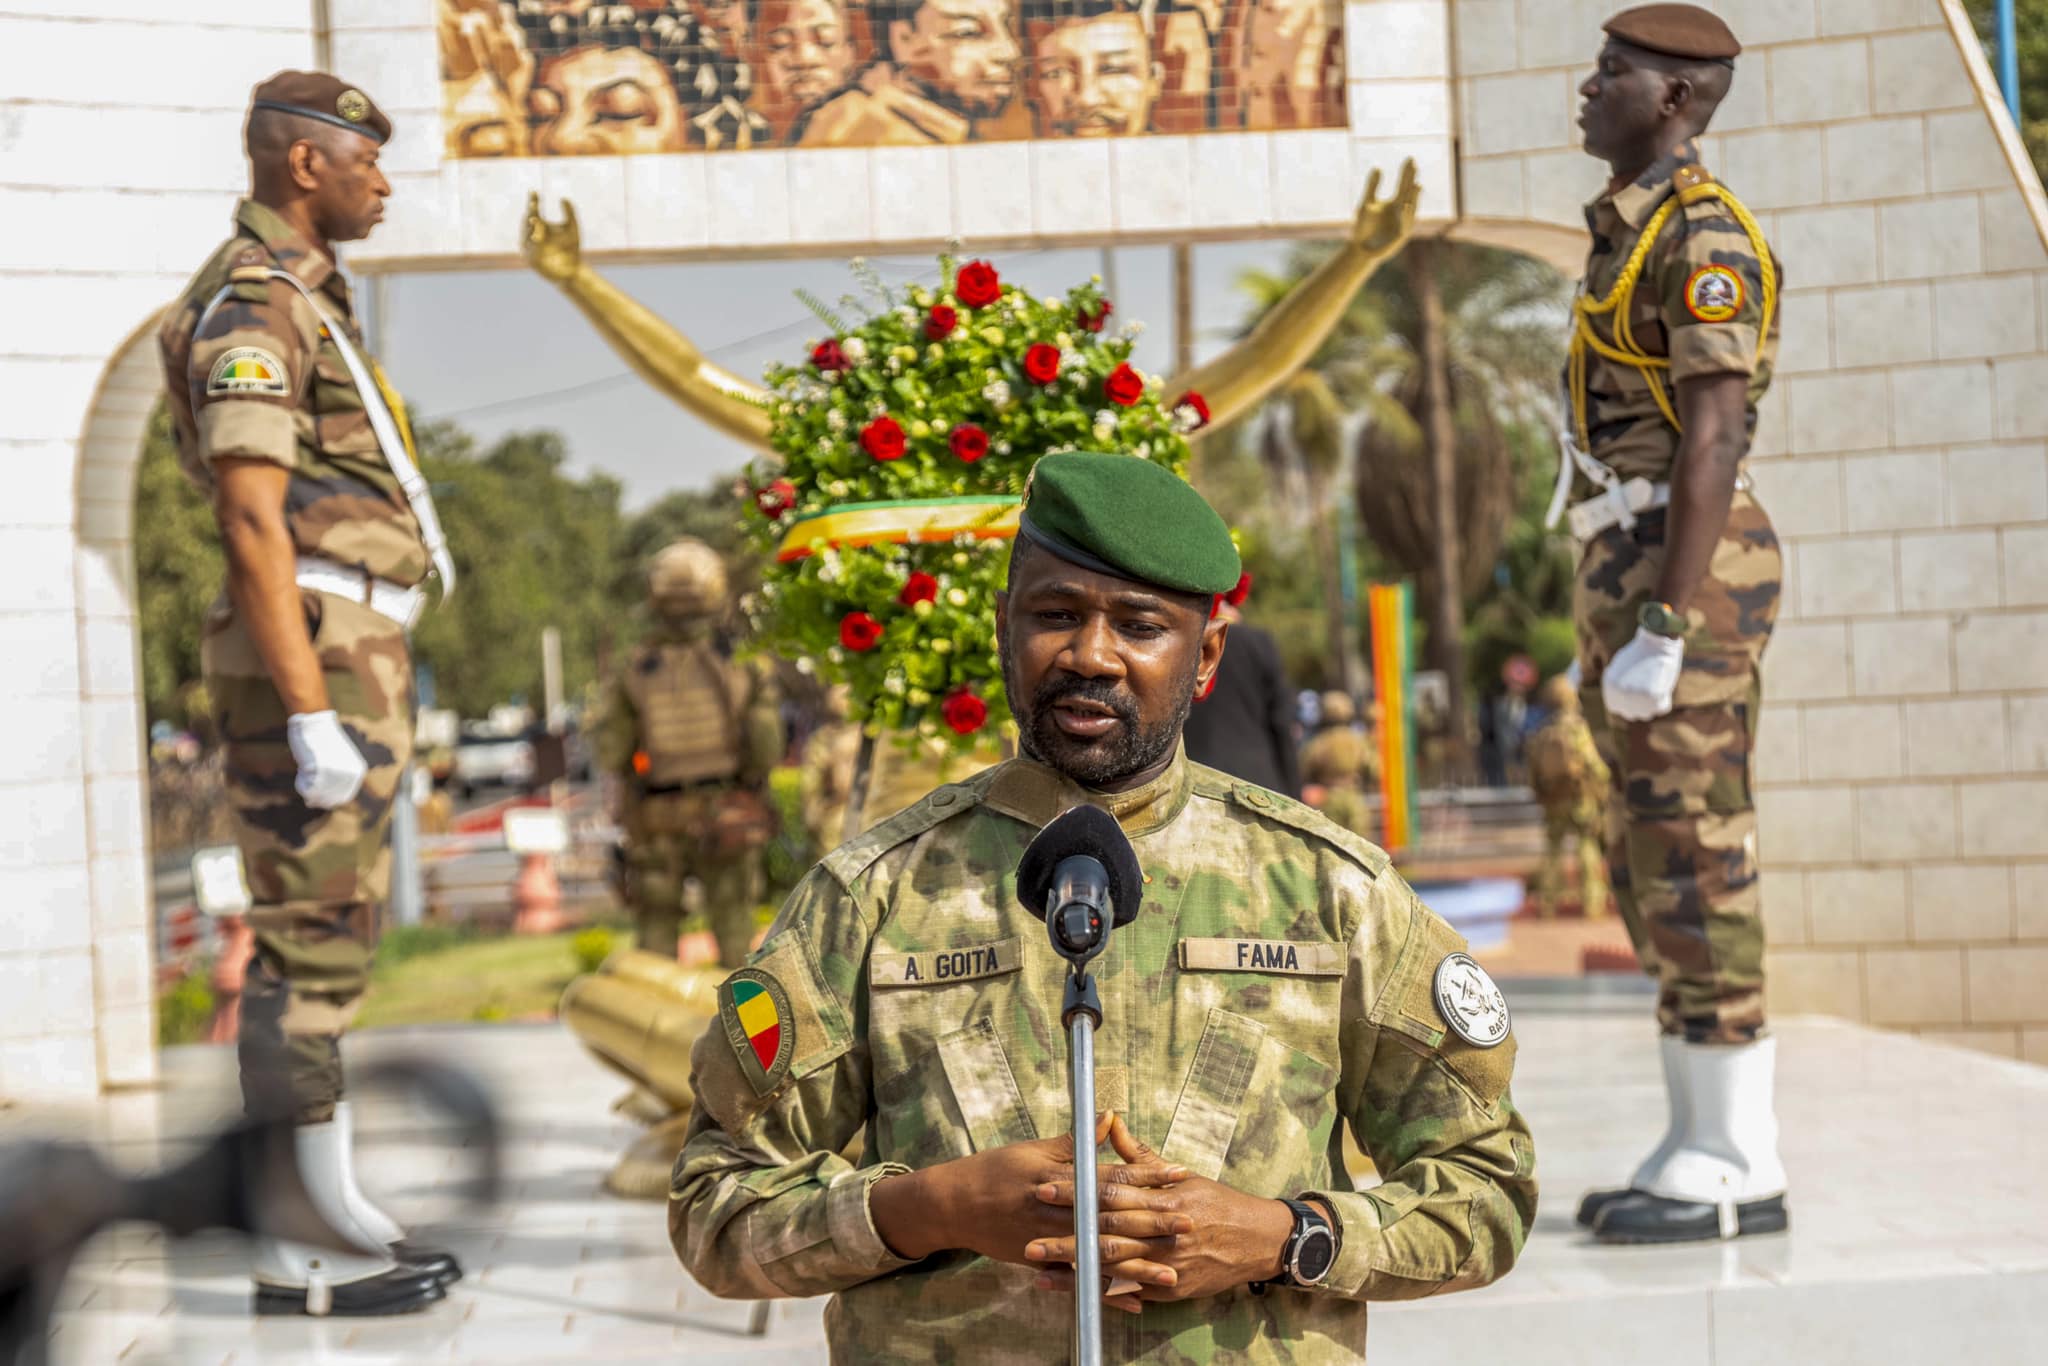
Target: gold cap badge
{"points": [[352, 105]]}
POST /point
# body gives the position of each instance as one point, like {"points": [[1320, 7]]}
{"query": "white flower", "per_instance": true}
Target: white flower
{"points": [[835, 655], [828, 573], [894, 366], [959, 559], [836, 420], [957, 596], [894, 685], [856, 350], [1186, 419], [1105, 421], [942, 646], [838, 488], [804, 664], [824, 445], [997, 392], [1070, 359], [1001, 448], [1132, 331]]}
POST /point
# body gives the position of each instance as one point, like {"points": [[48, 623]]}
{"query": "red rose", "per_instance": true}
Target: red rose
{"points": [[978, 285], [775, 499], [940, 322], [1094, 320], [1124, 386], [969, 442], [1042, 363], [1236, 596], [883, 438], [919, 587], [1198, 404], [858, 631], [964, 712], [828, 356]]}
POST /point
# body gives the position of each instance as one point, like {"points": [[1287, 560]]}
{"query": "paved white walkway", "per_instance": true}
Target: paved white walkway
{"points": [[1920, 1225]]}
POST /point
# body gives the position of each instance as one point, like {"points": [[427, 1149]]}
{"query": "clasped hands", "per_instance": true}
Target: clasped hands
{"points": [[1174, 1235]]}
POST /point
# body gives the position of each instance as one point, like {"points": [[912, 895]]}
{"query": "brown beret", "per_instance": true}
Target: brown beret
{"points": [[1676, 31], [317, 95]]}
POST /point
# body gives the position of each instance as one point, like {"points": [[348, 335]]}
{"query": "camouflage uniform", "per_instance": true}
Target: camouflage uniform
{"points": [[1344, 762], [1571, 783], [263, 380], [684, 728], [1682, 829], [918, 996]]}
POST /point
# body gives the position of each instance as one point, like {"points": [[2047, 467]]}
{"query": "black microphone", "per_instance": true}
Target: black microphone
{"points": [[1080, 867]]}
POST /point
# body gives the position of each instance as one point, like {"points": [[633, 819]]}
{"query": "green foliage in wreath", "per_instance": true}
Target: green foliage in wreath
{"points": [[933, 394]]}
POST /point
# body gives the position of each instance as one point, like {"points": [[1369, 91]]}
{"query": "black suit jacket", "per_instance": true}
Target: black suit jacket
{"points": [[1246, 725]]}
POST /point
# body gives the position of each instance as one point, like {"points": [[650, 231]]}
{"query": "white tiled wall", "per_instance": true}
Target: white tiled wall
{"points": [[1904, 764]]}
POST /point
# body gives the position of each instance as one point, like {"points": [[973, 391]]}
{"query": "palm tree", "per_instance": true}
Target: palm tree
{"points": [[1439, 353]]}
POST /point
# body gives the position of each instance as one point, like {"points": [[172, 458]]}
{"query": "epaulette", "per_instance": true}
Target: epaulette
{"points": [[1691, 175], [250, 266], [1309, 821], [858, 854]]}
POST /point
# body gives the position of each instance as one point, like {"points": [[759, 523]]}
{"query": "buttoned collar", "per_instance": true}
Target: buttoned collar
{"points": [[1634, 202], [1035, 793], [314, 268]]}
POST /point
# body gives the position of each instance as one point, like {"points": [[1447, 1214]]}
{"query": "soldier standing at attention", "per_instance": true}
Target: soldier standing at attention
{"points": [[1571, 783], [693, 736], [1280, 979], [330, 536], [1342, 761], [1674, 329]]}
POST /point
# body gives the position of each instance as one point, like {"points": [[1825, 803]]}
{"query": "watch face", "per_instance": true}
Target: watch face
{"points": [[1313, 1256]]}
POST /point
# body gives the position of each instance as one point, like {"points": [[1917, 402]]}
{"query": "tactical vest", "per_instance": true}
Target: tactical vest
{"points": [[1556, 771], [688, 700]]}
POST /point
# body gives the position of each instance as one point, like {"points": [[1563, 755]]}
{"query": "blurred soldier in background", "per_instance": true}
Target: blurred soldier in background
{"points": [[830, 756], [693, 736], [1343, 762], [1570, 780]]}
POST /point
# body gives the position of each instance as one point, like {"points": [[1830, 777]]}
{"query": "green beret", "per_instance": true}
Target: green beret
{"points": [[1123, 515]]}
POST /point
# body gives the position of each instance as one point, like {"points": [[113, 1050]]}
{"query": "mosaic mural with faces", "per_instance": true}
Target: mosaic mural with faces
{"points": [[581, 77]]}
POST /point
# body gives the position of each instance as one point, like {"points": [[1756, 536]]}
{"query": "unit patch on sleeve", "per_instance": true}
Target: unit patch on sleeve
{"points": [[247, 370], [1470, 1003], [1713, 294], [754, 1008]]}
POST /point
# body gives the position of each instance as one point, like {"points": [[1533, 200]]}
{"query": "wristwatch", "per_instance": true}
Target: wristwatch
{"points": [[1310, 1252], [1661, 619]]}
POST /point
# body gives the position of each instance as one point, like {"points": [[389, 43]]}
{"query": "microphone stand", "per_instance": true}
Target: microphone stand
{"points": [[1081, 1013]]}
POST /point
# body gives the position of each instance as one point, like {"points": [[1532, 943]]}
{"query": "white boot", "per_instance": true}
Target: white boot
{"points": [[295, 1278], [368, 1216], [1678, 1105], [1723, 1177]]}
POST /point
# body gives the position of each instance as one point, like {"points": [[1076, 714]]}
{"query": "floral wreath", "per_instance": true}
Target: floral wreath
{"points": [[902, 448]]}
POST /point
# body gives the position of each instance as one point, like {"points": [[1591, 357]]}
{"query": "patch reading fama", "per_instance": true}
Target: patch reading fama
{"points": [[1713, 294], [1262, 955], [1469, 1001], [247, 370], [754, 1008]]}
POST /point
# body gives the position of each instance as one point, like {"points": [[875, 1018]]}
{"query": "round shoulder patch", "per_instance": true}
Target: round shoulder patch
{"points": [[754, 1008], [1469, 1001], [1713, 294], [352, 105], [247, 370]]}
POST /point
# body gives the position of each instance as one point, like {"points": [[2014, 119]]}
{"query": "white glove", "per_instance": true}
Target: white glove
{"points": [[331, 769], [1641, 678]]}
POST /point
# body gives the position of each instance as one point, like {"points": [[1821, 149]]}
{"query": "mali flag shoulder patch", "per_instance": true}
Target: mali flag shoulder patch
{"points": [[760, 1025]]}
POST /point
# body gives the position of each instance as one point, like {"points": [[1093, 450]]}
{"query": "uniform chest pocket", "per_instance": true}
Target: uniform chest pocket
{"points": [[1254, 1111], [960, 1096]]}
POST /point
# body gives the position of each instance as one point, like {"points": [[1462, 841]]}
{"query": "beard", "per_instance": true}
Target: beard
{"points": [[1130, 748]]}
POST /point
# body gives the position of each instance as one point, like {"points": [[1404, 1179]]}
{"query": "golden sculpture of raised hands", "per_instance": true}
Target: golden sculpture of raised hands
{"points": [[555, 250], [663, 356], [1285, 339], [1294, 329]]}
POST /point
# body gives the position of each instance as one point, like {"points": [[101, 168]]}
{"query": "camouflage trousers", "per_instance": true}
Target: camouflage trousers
{"points": [[318, 878], [1681, 832], [664, 850]]}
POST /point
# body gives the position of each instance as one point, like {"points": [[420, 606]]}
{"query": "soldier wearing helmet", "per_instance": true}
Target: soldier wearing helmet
{"points": [[1343, 762], [692, 735]]}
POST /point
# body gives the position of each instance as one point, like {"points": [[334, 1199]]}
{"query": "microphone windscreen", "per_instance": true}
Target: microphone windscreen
{"points": [[1091, 831]]}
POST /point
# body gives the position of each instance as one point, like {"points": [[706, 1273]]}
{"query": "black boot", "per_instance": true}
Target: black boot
{"points": [[1640, 1218]]}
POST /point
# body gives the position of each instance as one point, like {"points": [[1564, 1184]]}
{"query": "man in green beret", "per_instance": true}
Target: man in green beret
{"points": [[1279, 981]]}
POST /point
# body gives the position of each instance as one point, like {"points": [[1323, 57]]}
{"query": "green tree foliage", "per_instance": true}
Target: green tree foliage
{"points": [[2030, 25], [1504, 318], [178, 569], [533, 547]]}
